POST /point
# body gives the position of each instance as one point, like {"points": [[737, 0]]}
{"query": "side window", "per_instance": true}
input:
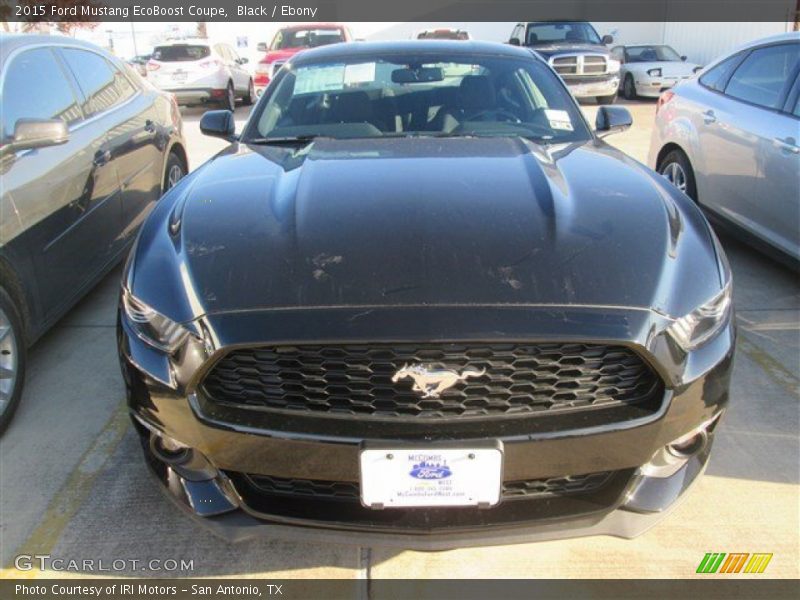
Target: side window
{"points": [[47, 95], [232, 53], [517, 33], [103, 86], [763, 75], [717, 77]]}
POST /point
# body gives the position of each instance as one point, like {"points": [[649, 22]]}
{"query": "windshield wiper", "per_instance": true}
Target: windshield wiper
{"points": [[282, 141]]}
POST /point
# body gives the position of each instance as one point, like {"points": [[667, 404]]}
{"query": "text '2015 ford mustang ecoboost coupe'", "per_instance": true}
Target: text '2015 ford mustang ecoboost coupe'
{"points": [[418, 302]]}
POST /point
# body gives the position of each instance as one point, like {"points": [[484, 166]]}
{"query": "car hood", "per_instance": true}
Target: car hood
{"points": [[548, 50], [426, 221], [284, 54], [670, 68]]}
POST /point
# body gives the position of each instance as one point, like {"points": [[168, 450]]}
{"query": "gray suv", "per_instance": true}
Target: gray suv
{"points": [[577, 53]]}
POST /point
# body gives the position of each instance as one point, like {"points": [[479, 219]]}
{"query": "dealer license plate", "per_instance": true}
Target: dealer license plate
{"points": [[430, 476]]}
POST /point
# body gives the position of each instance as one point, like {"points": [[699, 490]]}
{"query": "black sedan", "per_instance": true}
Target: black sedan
{"points": [[418, 301], [86, 149]]}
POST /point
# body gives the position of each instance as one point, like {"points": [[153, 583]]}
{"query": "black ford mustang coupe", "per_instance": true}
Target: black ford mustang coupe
{"points": [[419, 302]]}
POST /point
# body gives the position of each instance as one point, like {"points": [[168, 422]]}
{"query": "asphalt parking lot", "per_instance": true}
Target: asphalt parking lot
{"points": [[73, 483]]}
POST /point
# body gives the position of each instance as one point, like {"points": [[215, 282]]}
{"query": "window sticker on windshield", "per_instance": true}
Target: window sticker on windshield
{"points": [[319, 79], [559, 119], [359, 73]]}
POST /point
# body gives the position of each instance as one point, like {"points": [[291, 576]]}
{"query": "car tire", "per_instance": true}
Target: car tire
{"points": [[174, 172], [12, 359], [250, 97], [604, 100], [229, 101], [677, 169], [629, 88]]}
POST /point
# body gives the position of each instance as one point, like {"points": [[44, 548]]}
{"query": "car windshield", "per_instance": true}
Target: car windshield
{"points": [[306, 38], [419, 95], [650, 54], [555, 33], [181, 53]]}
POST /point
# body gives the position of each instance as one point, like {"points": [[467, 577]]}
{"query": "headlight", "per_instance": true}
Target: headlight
{"points": [[151, 326], [613, 65], [654, 72], [704, 322]]}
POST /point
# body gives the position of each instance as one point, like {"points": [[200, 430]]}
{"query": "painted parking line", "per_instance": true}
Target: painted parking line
{"points": [[68, 500]]}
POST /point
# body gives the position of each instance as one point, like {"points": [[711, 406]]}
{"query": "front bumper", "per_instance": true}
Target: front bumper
{"points": [[230, 445], [653, 88], [593, 87]]}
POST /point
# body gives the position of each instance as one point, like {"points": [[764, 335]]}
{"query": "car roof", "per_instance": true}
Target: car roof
{"points": [[369, 49], [792, 36], [312, 26], [186, 42]]}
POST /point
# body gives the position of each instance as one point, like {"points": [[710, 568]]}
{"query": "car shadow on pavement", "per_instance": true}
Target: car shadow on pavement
{"points": [[759, 438]]}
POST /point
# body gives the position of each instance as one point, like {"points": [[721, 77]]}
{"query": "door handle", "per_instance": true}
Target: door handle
{"points": [[709, 117], [788, 144], [101, 157], [149, 126]]}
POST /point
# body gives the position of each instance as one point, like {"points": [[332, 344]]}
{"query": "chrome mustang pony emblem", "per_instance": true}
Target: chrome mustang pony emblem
{"points": [[432, 382]]}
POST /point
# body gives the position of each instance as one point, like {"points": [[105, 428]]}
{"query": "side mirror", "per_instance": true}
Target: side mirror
{"points": [[607, 39], [612, 119], [514, 42], [261, 46], [243, 61], [37, 133], [218, 123], [683, 58]]}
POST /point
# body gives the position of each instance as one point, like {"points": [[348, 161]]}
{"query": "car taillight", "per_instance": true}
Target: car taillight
{"points": [[152, 66], [210, 64], [663, 99]]}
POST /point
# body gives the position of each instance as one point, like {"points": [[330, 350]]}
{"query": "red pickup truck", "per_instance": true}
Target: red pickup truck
{"points": [[291, 40]]}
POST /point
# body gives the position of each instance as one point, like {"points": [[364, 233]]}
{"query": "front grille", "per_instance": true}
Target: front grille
{"points": [[579, 64], [349, 491], [504, 379]]}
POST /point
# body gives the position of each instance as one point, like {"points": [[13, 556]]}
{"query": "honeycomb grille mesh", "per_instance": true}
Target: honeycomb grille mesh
{"points": [[356, 380], [348, 490]]}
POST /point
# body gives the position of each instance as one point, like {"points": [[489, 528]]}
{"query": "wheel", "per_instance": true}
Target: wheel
{"points": [[629, 88], [229, 101], [602, 100], [251, 94], [12, 359], [174, 172], [677, 169]]}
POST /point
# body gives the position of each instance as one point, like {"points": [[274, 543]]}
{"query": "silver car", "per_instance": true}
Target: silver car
{"points": [[730, 139]]}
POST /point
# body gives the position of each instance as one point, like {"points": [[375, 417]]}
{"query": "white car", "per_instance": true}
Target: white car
{"points": [[200, 72], [648, 70]]}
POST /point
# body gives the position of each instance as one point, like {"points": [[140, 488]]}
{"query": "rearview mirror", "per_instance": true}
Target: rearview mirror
{"points": [[420, 75], [218, 123], [612, 119], [607, 39], [37, 133], [514, 42], [261, 47]]}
